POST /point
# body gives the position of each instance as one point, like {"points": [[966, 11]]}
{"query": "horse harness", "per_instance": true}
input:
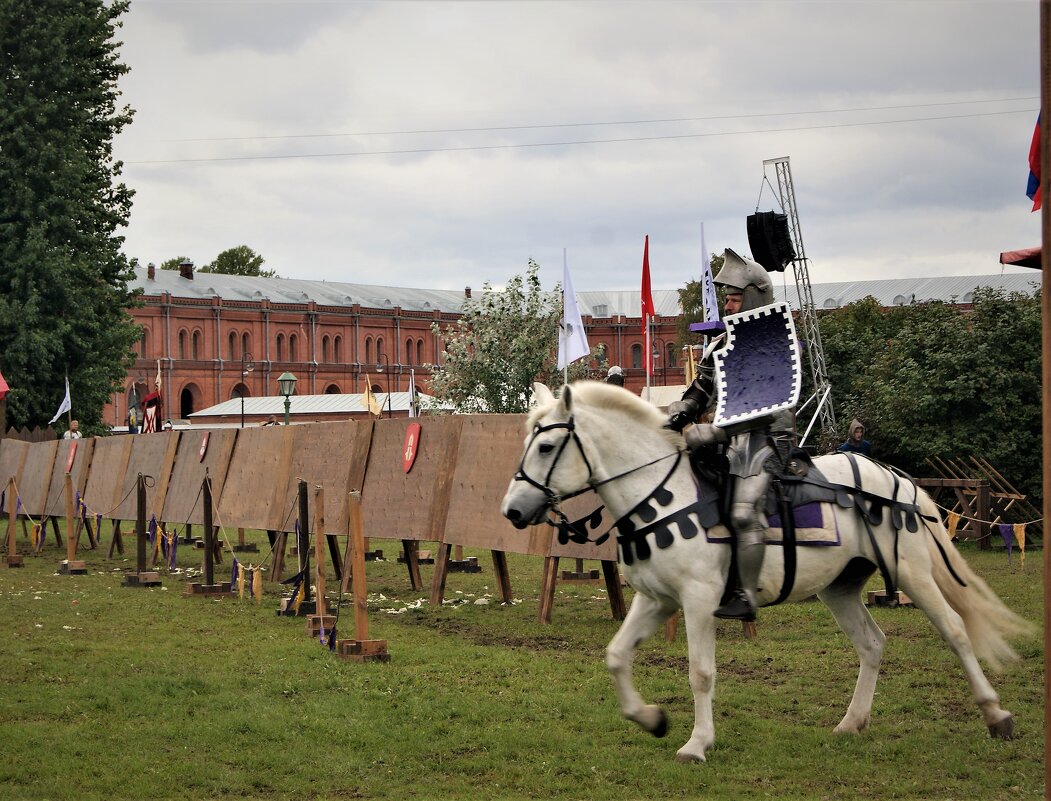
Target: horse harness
{"points": [[787, 492]]}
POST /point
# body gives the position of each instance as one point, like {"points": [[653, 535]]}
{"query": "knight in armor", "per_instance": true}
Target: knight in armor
{"points": [[756, 450]]}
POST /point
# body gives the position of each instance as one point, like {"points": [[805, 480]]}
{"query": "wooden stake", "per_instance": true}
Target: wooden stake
{"points": [[13, 559]]}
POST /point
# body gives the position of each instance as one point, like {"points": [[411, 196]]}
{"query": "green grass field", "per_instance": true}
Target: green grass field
{"points": [[111, 692]]}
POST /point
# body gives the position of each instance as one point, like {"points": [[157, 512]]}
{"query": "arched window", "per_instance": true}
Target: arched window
{"points": [[337, 350], [195, 345], [144, 343], [408, 351], [332, 389], [368, 350], [379, 349], [245, 350], [280, 347], [240, 391], [324, 348], [182, 344], [671, 354], [233, 346], [419, 351], [292, 340], [636, 356]]}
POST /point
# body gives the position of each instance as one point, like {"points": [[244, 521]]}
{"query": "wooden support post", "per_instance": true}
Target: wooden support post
{"points": [[140, 578], [503, 578], [116, 541], [55, 530], [303, 543], [209, 588], [614, 589], [13, 558], [333, 551], [321, 619], [441, 572], [982, 507], [411, 550], [277, 568], [361, 648], [547, 588], [71, 566]]}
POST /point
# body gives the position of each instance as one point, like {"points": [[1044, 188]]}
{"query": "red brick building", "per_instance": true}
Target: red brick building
{"points": [[205, 330]]}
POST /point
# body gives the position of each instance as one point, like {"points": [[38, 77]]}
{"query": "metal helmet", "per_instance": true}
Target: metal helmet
{"points": [[747, 277]]}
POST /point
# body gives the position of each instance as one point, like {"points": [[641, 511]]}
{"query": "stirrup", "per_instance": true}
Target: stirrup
{"points": [[737, 608]]}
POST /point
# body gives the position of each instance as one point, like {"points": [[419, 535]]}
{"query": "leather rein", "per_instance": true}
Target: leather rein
{"points": [[554, 500]]}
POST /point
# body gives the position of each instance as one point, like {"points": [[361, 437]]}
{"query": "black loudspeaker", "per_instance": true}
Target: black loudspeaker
{"points": [[769, 240]]}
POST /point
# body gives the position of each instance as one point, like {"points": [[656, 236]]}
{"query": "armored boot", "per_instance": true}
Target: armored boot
{"points": [[742, 604]]}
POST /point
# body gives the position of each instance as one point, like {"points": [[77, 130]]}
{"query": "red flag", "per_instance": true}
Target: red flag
{"points": [[1033, 188], [3, 387], [648, 309]]}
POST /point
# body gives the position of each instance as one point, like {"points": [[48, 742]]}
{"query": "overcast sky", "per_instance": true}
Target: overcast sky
{"points": [[444, 144]]}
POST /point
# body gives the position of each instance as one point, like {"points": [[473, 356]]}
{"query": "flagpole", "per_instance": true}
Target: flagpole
{"points": [[563, 330]]}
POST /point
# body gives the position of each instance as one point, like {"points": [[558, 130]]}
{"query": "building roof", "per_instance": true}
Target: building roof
{"points": [[307, 405], [598, 304]]}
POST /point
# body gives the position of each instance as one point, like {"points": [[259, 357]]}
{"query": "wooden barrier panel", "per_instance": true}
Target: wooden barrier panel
{"points": [[254, 490], [182, 503], [13, 454], [109, 463], [410, 505], [487, 457], [36, 477], [152, 455], [56, 496], [330, 455]]}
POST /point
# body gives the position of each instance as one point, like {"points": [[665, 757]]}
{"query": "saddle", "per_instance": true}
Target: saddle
{"points": [[802, 484]]}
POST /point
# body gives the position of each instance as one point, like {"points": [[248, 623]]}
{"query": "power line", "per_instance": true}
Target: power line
{"points": [[567, 143], [598, 124]]}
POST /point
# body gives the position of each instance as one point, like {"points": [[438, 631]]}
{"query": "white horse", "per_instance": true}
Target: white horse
{"points": [[603, 437]]}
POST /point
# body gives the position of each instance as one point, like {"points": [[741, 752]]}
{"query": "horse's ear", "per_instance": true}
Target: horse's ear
{"points": [[541, 394], [566, 397]]}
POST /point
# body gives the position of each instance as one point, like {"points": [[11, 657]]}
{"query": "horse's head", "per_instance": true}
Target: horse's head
{"points": [[553, 464]]}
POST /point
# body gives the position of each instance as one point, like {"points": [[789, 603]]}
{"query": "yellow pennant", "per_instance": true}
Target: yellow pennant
{"points": [[691, 366], [954, 521], [257, 585], [1019, 532], [37, 538], [241, 582]]}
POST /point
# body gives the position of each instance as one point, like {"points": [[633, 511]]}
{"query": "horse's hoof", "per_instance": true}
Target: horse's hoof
{"points": [[683, 756], [661, 728], [1003, 729]]}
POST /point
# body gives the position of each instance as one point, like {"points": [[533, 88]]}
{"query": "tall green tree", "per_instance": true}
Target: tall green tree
{"points": [[241, 260], [503, 342], [64, 295]]}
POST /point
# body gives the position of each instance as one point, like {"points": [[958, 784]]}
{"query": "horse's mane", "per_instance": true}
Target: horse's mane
{"points": [[601, 396]]}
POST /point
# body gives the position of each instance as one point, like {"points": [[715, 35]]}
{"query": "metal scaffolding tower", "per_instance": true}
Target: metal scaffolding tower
{"points": [[807, 314]]}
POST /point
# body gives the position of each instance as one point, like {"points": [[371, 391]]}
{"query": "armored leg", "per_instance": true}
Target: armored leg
{"points": [[748, 524]]}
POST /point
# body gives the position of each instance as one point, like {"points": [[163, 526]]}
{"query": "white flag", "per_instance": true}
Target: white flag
{"points": [[572, 340], [711, 302], [63, 407], [414, 399]]}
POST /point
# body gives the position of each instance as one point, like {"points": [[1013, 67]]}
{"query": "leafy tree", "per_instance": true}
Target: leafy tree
{"points": [[504, 340], [173, 264], [241, 260], [933, 380], [64, 295]]}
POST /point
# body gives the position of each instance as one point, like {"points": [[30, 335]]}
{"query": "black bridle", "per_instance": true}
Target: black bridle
{"points": [[554, 500]]}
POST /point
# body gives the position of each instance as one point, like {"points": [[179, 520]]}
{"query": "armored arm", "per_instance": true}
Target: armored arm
{"points": [[694, 400]]}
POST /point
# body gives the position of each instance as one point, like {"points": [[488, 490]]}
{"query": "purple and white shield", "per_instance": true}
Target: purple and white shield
{"points": [[758, 370]]}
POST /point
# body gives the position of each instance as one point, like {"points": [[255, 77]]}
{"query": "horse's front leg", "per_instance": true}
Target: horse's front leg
{"points": [[643, 618], [700, 639]]}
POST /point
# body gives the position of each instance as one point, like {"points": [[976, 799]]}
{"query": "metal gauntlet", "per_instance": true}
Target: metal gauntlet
{"points": [[694, 401]]}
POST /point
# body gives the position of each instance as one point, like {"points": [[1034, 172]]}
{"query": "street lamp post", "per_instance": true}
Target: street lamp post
{"points": [[286, 384], [386, 362], [660, 351], [247, 366]]}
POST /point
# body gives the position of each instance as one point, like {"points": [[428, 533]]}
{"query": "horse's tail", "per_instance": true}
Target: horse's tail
{"points": [[990, 624]]}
